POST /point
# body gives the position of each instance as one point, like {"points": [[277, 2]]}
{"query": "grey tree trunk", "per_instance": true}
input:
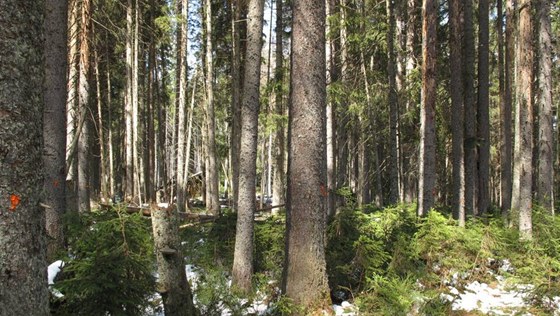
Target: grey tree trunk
{"points": [[235, 101], [22, 221], [342, 134], [457, 111], [393, 106], [54, 122], [506, 112], [331, 110], [483, 129], [83, 107], [242, 271], [212, 180], [71, 104], [182, 36], [172, 282], [304, 278], [129, 139], [470, 145], [523, 146], [279, 184], [427, 155], [545, 184]]}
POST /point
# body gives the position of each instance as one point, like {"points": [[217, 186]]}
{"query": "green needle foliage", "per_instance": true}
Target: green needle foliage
{"points": [[109, 269]]}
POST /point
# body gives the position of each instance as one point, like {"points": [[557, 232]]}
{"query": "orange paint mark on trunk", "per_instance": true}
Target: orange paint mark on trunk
{"points": [[14, 202]]}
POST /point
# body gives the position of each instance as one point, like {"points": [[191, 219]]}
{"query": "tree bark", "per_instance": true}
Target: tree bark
{"points": [[212, 180], [523, 148], [279, 183], [242, 271], [545, 184], [427, 156], [483, 128], [129, 139], [331, 109], [304, 277], [83, 107], [470, 145], [22, 221], [54, 128], [393, 106], [457, 111], [182, 105], [506, 113], [172, 280]]}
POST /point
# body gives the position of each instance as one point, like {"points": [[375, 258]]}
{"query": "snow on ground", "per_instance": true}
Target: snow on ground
{"points": [[52, 271]]}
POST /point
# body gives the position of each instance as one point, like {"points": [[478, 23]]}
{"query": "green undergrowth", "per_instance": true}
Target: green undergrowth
{"points": [[109, 267]]}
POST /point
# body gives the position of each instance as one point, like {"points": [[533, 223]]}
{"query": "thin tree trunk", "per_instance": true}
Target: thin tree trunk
{"points": [[212, 180], [331, 107], [182, 105], [427, 156], [83, 107], [342, 146], [545, 183], [483, 108], [304, 278], [470, 110], [457, 111], [242, 271], [128, 111], [523, 150], [506, 113], [104, 189], [54, 128], [235, 100], [23, 276], [393, 106], [189, 133]]}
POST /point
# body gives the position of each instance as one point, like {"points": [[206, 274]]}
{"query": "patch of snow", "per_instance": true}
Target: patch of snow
{"points": [[163, 205], [345, 309], [53, 270]]}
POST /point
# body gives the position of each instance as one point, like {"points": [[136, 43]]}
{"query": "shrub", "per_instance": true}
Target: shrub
{"points": [[109, 269]]}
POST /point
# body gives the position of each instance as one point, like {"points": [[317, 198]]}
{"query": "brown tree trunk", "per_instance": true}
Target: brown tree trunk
{"points": [[182, 105], [523, 149], [483, 108], [470, 145], [506, 112], [235, 100], [54, 122], [331, 109], [304, 278], [427, 155], [23, 276], [457, 111], [545, 183], [242, 271], [393, 106]]}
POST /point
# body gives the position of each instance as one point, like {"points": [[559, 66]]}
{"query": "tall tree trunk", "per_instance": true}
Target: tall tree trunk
{"points": [[483, 108], [304, 277], [331, 107], [22, 222], [523, 148], [545, 184], [150, 179], [393, 106], [457, 111], [235, 100], [101, 141], [182, 105], [54, 128], [83, 107], [470, 110], [506, 113], [136, 107], [242, 271], [279, 183], [128, 144], [342, 146], [427, 156], [172, 282], [212, 180]]}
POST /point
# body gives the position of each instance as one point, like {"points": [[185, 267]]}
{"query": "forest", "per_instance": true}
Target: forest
{"points": [[279, 157]]}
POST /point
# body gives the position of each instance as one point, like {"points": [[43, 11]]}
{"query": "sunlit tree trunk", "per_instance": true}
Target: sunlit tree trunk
{"points": [[457, 110], [427, 156], [71, 103], [23, 289], [128, 110], [545, 171], [235, 100], [242, 271], [523, 143], [304, 278], [182, 36], [84, 154], [331, 108], [54, 122], [342, 146], [212, 177], [279, 183]]}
